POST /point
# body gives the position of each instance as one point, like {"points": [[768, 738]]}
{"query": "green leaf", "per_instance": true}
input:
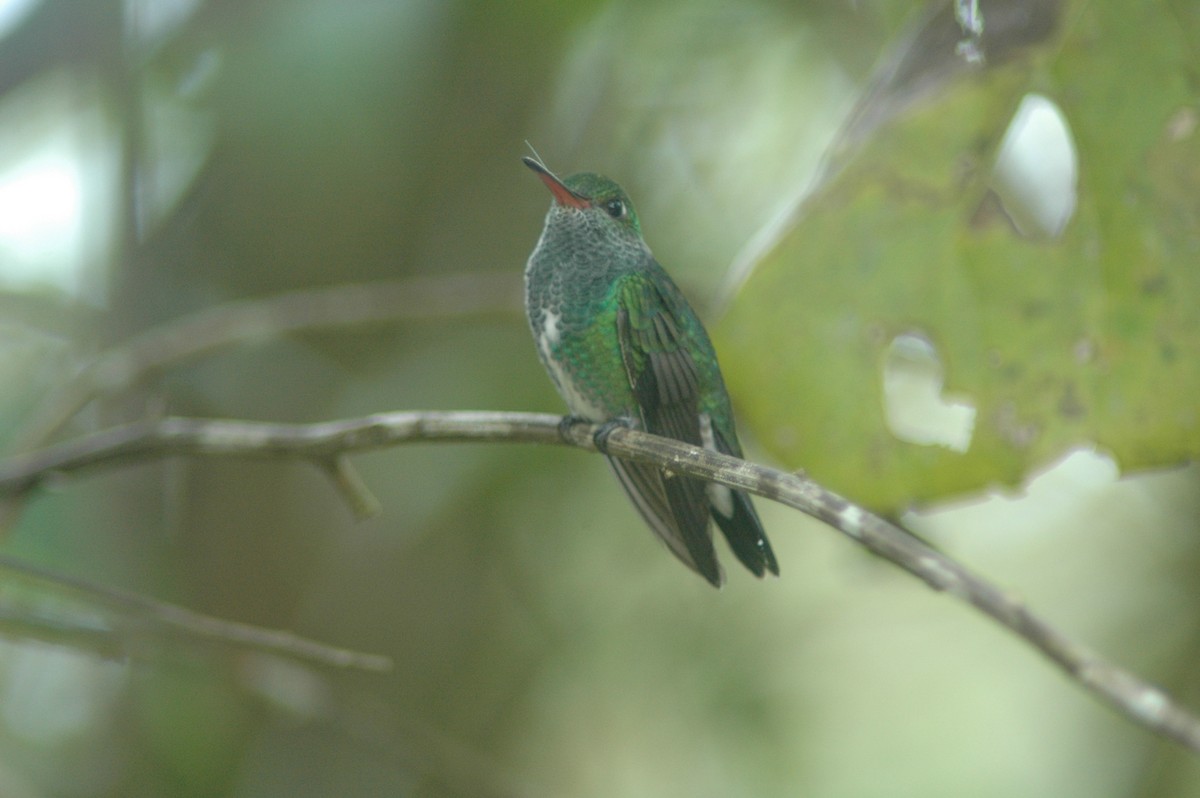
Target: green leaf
{"points": [[1091, 337]]}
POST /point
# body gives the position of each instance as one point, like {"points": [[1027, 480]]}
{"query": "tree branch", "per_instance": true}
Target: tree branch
{"points": [[127, 364], [321, 442]]}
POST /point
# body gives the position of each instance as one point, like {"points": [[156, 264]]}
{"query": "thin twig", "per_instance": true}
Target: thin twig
{"points": [[1130, 695], [354, 488], [139, 618]]}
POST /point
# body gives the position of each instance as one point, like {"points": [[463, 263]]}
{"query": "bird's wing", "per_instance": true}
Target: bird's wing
{"points": [[665, 385]]}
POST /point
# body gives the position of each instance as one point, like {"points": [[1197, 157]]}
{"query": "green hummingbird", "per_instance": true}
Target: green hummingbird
{"points": [[622, 345]]}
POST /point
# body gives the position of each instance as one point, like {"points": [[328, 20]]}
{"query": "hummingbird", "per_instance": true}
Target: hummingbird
{"points": [[622, 345]]}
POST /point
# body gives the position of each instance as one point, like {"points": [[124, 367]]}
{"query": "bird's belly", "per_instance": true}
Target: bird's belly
{"points": [[577, 401], [596, 387]]}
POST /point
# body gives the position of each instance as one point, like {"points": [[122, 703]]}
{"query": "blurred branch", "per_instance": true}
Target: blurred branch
{"points": [[143, 618], [322, 442], [255, 320]]}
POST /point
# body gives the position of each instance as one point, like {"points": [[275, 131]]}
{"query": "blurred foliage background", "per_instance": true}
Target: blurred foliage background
{"points": [[164, 157]]}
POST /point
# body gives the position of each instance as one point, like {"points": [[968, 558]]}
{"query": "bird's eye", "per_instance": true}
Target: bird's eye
{"points": [[615, 208]]}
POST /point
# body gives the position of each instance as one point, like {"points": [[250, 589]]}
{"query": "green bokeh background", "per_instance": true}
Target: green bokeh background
{"points": [[543, 643]]}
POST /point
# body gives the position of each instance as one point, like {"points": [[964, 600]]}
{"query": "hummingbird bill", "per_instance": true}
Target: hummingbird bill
{"points": [[621, 343]]}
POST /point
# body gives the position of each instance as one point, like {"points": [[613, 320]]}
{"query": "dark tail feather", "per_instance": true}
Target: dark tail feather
{"points": [[741, 528], [746, 537]]}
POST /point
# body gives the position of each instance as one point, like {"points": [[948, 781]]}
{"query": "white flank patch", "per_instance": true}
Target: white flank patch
{"points": [[549, 332]]}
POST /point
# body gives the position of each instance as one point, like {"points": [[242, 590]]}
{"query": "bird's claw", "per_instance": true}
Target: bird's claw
{"points": [[564, 427], [600, 438]]}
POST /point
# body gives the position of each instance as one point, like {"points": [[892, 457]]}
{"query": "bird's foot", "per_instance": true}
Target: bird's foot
{"points": [[564, 427], [600, 439]]}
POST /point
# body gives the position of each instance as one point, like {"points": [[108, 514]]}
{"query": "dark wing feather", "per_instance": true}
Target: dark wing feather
{"points": [[665, 385]]}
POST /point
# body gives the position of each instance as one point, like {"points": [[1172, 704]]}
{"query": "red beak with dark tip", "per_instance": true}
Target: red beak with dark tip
{"points": [[562, 194]]}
